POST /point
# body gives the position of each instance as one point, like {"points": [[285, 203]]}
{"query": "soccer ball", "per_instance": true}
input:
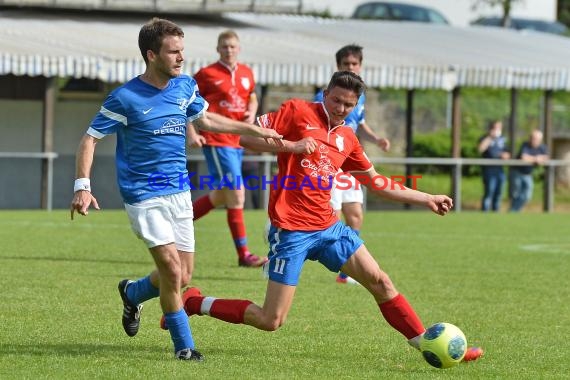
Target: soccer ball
{"points": [[443, 345]]}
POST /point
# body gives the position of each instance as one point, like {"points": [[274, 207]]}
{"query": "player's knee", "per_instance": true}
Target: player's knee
{"points": [[273, 324], [381, 286], [235, 199], [185, 279], [353, 217], [170, 273], [354, 220], [170, 281]]}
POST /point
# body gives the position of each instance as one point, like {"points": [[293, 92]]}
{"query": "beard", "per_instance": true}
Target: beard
{"points": [[169, 71]]}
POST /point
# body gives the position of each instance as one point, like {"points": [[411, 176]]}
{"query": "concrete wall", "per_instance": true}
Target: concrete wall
{"points": [[20, 179], [21, 132]]}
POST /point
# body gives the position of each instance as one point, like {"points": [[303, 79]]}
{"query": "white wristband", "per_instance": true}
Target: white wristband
{"points": [[82, 184]]}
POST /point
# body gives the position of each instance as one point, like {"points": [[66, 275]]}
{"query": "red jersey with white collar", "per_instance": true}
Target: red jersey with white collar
{"points": [[300, 193], [227, 92]]}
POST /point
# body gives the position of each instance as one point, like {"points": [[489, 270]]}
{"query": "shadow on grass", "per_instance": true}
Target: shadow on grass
{"points": [[75, 259], [101, 350]]}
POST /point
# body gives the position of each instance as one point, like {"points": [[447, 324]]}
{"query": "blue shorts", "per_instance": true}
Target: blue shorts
{"points": [[224, 165], [289, 250]]}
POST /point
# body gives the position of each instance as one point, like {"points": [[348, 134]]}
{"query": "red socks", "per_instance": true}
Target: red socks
{"points": [[192, 305], [237, 228], [400, 315], [202, 206], [231, 311]]}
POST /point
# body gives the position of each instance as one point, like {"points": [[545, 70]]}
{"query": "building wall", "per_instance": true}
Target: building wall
{"points": [[21, 132], [20, 179]]}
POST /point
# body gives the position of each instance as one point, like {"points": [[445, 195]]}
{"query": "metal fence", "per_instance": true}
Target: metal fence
{"points": [[267, 161], [47, 158], [456, 164]]}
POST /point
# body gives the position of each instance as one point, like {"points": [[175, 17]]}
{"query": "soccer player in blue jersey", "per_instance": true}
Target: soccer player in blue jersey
{"points": [[349, 201], [149, 114]]}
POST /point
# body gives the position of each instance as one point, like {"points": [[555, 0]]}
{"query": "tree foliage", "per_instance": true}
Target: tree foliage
{"points": [[506, 6], [563, 11]]}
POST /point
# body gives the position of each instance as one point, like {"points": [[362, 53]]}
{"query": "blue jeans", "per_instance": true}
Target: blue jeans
{"points": [[493, 190], [522, 186]]}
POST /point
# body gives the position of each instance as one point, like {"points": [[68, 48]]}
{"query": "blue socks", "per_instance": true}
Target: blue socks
{"points": [[179, 329], [141, 290]]}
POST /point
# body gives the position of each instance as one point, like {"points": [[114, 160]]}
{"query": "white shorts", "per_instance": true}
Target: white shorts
{"points": [[344, 195], [163, 220]]}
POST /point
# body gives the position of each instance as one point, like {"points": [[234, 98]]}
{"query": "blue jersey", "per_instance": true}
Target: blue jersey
{"points": [[150, 124], [526, 148], [495, 150], [356, 117]]}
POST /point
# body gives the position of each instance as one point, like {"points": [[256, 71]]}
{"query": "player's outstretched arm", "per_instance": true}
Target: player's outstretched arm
{"points": [[82, 197], [368, 134], [193, 138], [214, 122], [389, 189], [256, 144]]}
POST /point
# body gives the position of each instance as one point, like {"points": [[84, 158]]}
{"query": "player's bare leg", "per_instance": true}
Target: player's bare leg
{"points": [[186, 269], [353, 217], [393, 305], [363, 268], [168, 263], [269, 317], [273, 314], [134, 293]]}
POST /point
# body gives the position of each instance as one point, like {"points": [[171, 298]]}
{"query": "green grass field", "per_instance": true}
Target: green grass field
{"points": [[504, 279]]}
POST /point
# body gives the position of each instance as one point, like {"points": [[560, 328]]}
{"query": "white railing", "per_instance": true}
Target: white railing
{"points": [[456, 163], [268, 160], [49, 157]]}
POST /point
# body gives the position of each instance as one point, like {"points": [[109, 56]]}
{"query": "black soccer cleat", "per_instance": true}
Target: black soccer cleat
{"points": [[189, 354], [131, 313]]}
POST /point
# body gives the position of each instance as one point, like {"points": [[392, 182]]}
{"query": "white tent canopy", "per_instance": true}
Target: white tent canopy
{"points": [[294, 50]]}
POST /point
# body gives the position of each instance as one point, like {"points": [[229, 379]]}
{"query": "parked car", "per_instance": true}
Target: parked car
{"points": [[398, 12], [553, 27]]}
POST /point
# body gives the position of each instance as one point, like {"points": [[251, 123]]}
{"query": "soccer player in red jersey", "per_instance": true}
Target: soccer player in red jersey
{"points": [[228, 86], [304, 225]]}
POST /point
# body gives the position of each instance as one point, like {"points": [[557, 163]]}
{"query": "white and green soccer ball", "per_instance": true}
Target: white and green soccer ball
{"points": [[443, 345]]}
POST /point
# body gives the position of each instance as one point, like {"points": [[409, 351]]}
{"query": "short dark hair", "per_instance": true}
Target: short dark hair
{"points": [[345, 51], [491, 123], [153, 32], [347, 80]]}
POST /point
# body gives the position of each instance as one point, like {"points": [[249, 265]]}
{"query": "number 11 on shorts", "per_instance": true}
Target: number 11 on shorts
{"points": [[279, 266]]}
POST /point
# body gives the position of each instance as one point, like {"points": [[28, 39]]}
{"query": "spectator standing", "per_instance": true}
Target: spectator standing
{"points": [[534, 152], [493, 145]]}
